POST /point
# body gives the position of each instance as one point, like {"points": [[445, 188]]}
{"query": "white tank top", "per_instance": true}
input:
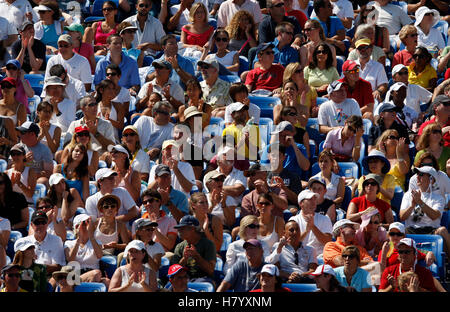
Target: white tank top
{"points": [[23, 179], [106, 238], [272, 238], [135, 287]]}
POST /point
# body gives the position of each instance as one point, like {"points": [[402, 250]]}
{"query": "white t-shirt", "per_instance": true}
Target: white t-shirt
{"points": [[86, 255], [415, 95], [153, 31], [322, 222], [77, 66], [68, 110], [235, 177], [6, 28], [141, 162], [184, 17], [253, 111], [332, 114], [49, 251], [228, 9], [434, 38], [123, 96], [175, 90], [186, 170], [392, 17], [341, 8], [374, 73], [126, 203], [441, 186], [15, 12], [151, 134], [104, 127], [154, 249], [75, 90], [433, 200]]}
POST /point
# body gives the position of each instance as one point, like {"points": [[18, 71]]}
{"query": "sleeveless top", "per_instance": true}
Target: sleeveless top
{"points": [[135, 287], [50, 36], [198, 39], [100, 36], [106, 238], [272, 238], [23, 179], [14, 117], [332, 187], [76, 184], [226, 60], [51, 131]]}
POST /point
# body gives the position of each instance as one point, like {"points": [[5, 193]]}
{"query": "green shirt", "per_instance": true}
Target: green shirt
{"points": [[444, 53], [34, 279], [317, 77], [442, 161]]}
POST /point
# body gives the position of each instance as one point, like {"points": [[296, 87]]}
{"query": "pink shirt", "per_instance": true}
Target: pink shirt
{"points": [[20, 96], [86, 50], [334, 141]]}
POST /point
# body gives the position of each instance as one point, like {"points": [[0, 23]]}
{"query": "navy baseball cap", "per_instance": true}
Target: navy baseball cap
{"points": [[187, 220]]}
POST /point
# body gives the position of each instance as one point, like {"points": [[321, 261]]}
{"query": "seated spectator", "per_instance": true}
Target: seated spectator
{"points": [[23, 178], [344, 11], [33, 276], [105, 179], [420, 71], [229, 59], [239, 93], [144, 106], [334, 112], [378, 164], [391, 16], [155, 251], [335, 184], [77, 66], [195, 94], [140, 161], [326, 281], [345, 142], [271, 228], [290, 10], [127, 33], [320, 72], [135, 276], [268, 76], [11, 278], [198, 32], [371, 235], [153, 131], [290, 95], [432, 141], [359, 206], [242, 30], [358, 88], [130, 73], [429, 37], [179, 15], [407, 254], [13, 205], [64, 196], [98, 32], [344, 230], [229, 9], [62, 284], [270, 281], [440, 112], [49, 27], [85, 249], [405, 114], [111, 234], [8, 136], [325, 206], [195, 251], [165, 233], [296, 260], [23, 90], [371, 70], [76, 31], [350, 274], [315, 228], [368, 31], [408, 35], [422, 209], [50, 134], [30, 52], [121, 96], [9, 106], [389, 253], [58, 218], [178, 278], [395, 150], [290, 114], [215, 90], [242, 276]]}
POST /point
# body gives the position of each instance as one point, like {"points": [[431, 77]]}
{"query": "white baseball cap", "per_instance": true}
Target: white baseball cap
{"points": [[271, 269], [79, 219], [323, 268], [396, 86], [55, 178], [427, 169], [343, 222], [23, 244], [104, 173], [118, 148], [306, 194], [136, 244], [397, 68], [397, 225], [408, 242]]}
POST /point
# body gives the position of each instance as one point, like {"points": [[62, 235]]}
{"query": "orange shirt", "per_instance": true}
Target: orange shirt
{"points": [[334, 249]]}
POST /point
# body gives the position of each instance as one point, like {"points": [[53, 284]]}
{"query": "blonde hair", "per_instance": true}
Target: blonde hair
{"points": [[405, 31], [316, 24], [233, 28], [195, 198], [289, 71], [19, 258], [424, 139], [194, 8], [384, 136], [246, 221], [403, 280]]}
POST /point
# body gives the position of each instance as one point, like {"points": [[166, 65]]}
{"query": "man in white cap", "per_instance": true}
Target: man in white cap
{"points": [[315, 228], [334, 112], [422, 209], [105, 178], [76, 65], [405, 114], [407, 254]]}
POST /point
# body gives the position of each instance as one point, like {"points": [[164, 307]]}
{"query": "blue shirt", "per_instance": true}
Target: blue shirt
{"points": [[360, 280], [179, 200], [284, 56], [242, 277], [133, 53], [184, 63], [335, 25], [290, 162], [128, 66]]}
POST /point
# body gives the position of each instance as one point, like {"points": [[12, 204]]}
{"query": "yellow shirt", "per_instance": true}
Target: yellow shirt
{"points": [[237, 133], [388, 183], [423, 78], [398, 176]]}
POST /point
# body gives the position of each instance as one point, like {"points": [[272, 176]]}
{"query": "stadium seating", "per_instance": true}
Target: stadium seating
{"points": [[301, 287], [36, 82], [225, 243], [3, 165], [265, 128], [202, 286], [164, 267], [90, 287], [13, 237], [39, 191], [397, 200], [215, 127], [347, 169], [108, 264]]}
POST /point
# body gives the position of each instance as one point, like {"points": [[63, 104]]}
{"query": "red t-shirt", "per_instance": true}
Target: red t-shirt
{"points": [[446, 135], [402, 57], [362, 204], [393, 259], [299, 15], [447, 74], [86, 50], [266, 79], [362, 92], [425, 277]]}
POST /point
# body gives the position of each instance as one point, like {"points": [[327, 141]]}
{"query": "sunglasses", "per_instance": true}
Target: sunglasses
{"points": [[429, 14], [426, 164], [150, 229], [63, 45], [129, 134], [349, 256], [392, 137], [422, 174], [108, 9], [413, 35], [92, 104], [43, 12], [308, 29], [83, 134], [144, 5], [111, 74], [421, 56], [279, 5], [112, 206], [6, 86], [163, 112], [353, 71], [265, 203], [11, 68], [150, 201], [289, 33], [16, 154], [17, 275], [45, 207], [403, 73], [292, 114], [321, 52], [436, 131], [371, 183], [253, 226], [219, 180], [221, 39], [404, 252], [396, 234], [204, 66], [39, 222], [363, 48]]}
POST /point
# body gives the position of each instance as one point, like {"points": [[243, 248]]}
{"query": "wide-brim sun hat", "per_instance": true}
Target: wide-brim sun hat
{"points": [[377, 155]]}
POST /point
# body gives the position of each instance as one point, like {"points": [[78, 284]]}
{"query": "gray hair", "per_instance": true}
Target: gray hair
{"points": [[160, 104], [85, 100], [362, 29]]}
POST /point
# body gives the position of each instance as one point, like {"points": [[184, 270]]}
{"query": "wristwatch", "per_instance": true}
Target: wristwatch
{"points": [[177, 69]]}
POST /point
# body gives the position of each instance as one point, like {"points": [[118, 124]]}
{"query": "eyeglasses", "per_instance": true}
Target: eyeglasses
{"points": [[6, 86], [373, 183], [16, 275], [150, 201], [278, 5], [83, 134], [353, 71], [422, 56], [144, 6], [426, 164], [253, 226], [265, 203], [11, 68], [403, 73], [111, 74], [163, 112], [221, 39], [321, 52], [204, 66], [45, 207], [349, 256], [268, 52], [292, 114], [108, 9], [404, 252], [129, 134], [39, 222], [111, 206], [436, 131], [392, 137], [429, 14], [396, 234]]}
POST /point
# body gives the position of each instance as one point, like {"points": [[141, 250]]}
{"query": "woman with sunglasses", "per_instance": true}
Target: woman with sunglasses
{"points": [[126, 176], [81, 136], [409, 37], [395, 150], [55, 217], [371, 235], [22, 177], [320, 72], [99, 31], [10, 107], [195, 95], [13, 206], [211, 224], [229, 59], [75, 170], [107, 109], [242, 30], [389, 253], [271, 228], [23, 87], [49, 27], [155, 251], [111, 234], [140, 161], [350, 274], [248, 229], [315, 35], [122, 95], [432, 141], [197, 33], [50, 134], [420, 70]]}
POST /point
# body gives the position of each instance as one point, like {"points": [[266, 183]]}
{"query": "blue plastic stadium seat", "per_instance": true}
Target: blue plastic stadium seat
{"points": [[443, 27], [13, 237], [3, 165], [243, 64], [90, 287], [98, 58], [230, 78], [320, 100], [347, 198], [201, 287], [225, 243], [445, 220], [148, 60], [143, 186], [36, 82], [70, 236], [92, 188], [218, 270], [265, 128], [108, 264], [164, 267], [39, 191], [287, 214], [102, 164], [434, 243], [80, 210], [215, 127], [397, 200], [266, 104], [301, 287], [340, 214], [33, 103], [347, 169]]}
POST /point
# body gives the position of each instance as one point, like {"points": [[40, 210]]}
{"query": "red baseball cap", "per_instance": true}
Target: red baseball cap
{"points": [[175, 268], [81, 129], [11, 80], [349, 65]]}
